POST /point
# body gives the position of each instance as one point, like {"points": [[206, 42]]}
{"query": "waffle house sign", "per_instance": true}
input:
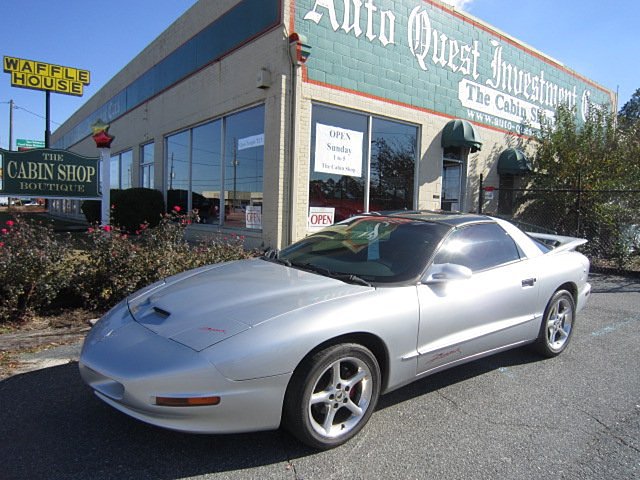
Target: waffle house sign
{"points": [[46, 76]]}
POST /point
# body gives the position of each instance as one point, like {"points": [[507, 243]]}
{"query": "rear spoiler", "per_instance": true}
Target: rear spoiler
{"points": [[558, 243]]}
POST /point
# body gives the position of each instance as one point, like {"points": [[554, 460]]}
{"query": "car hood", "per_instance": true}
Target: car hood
{"points": [[203, 307]]}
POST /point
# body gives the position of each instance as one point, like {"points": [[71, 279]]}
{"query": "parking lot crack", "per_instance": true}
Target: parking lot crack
{"points": [[610, 431], [490, 420], [291, 467]]}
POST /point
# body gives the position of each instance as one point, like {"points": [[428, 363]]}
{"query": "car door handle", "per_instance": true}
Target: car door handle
{"points": [[528, 282]]}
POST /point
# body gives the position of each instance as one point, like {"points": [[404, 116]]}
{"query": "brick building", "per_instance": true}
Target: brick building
{"points": [[274, 117]]}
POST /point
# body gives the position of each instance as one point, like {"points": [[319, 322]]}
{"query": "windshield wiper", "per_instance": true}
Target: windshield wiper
{"points": [[345, 277], [350, 278], [273, 255]]}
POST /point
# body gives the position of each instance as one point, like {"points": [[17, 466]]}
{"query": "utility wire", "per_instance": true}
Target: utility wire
{"points": [[17, 107]]}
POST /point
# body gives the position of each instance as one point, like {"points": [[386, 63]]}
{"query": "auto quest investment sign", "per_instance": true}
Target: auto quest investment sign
{"points": [[48, 173], [440, 60]]}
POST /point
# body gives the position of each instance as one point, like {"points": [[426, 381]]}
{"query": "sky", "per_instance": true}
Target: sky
{"points": [[597, 39]]}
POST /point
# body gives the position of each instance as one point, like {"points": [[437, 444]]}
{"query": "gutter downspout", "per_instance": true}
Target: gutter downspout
{"points": [[293, 171]]}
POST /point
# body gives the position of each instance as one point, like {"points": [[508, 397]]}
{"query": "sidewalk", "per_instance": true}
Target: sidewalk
{"points": [[38, 349], [51, 357]]}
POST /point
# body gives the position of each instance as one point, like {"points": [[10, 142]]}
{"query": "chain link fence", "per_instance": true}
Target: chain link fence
{"points": [[609, 219]]}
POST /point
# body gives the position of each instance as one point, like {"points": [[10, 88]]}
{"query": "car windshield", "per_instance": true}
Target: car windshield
{"points": [[373, 249]]}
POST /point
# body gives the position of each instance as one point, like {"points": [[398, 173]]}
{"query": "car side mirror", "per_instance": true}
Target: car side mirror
{"points": [[446, 272]]}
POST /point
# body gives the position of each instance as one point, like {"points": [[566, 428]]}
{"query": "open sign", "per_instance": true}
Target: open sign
{"points": [[320, 217], [253, 216]]}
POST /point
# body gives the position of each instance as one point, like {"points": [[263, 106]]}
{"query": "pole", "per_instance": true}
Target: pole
{"points": [[235, 167], [579, 206], [105, 159], [480, 194], [47, 132], [10, 125], [10, 140]]}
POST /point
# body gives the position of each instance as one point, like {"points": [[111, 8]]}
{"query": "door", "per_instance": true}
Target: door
{"points": [[496, 307]]}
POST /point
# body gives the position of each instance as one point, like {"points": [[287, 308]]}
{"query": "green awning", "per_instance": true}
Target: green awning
{"points": [[513, 161], [460, 133]]}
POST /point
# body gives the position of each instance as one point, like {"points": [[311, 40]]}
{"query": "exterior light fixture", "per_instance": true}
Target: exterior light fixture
{"points": [[299, 49]]}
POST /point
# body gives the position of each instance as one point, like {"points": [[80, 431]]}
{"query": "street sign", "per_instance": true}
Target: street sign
{"points": [[22, 143]]}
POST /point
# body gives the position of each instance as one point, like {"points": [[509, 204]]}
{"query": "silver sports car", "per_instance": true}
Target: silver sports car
{"points": [[309, 337]]}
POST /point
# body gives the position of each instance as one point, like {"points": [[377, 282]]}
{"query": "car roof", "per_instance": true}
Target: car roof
{"points": [[453, 219]]}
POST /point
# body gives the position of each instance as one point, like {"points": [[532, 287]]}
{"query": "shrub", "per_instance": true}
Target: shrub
{"points": [[129, 208], [135, 206], [34, 268], [92, 209], [119, 263], [110, 269]]}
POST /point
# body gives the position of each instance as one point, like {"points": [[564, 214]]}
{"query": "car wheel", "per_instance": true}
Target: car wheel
{"points": [[557, 324], [332, 395]]}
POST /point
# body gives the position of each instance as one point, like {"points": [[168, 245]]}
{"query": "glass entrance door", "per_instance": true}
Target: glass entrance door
{"points": [[451, 185]]}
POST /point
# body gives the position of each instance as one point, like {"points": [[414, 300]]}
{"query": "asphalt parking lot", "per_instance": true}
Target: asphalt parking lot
{"points": [[511, 416]]}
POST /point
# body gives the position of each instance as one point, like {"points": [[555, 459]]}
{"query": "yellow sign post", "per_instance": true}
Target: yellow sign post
{"points": [[46, 76]]}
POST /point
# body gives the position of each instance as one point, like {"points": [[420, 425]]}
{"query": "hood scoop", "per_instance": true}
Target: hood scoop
{"points": [[196, 335]]}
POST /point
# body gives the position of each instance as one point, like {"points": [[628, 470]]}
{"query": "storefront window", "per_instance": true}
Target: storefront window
{"points": [[338, 162], [393, 164], [114, 174], [126, 169], [205, 172], [178, 147], [194, 170], [121, 170], [346, 161], [244, 160], [146, 165]]}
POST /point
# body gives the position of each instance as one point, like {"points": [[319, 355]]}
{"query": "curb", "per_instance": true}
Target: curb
{"points": [[51, 357]]}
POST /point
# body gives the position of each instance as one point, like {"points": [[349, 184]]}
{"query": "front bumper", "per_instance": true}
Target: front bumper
{"points": [[128, 366]]}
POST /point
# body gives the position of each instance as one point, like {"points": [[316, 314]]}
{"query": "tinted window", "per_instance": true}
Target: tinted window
{"points": [[206, 153], [178, 152], [244, 165], [478, 247], [146, 165], [378, 249], [393, 163]]}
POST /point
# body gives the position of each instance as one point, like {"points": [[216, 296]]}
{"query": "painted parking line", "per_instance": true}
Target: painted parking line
{"points": [[613, 327]]}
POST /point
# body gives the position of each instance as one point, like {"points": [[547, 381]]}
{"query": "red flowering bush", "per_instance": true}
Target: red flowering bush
{"points": [[119, 264], [110, 269], [34, 268]]}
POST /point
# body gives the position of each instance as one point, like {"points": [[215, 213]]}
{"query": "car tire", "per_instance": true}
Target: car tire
{"points": [[557, 324], [332, 395]]}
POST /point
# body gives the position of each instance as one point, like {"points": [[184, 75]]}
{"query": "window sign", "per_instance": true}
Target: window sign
{"points": [[338, 151], [253, 216], [320, 217], [250, 142]]}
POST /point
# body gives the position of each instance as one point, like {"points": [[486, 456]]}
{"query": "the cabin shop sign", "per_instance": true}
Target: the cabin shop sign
{"points": [[511, 93], [48, 173]]}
